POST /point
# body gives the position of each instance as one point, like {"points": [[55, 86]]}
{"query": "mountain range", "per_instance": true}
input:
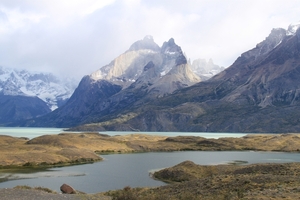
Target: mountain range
{"points": [[25, 94], [152, 88], [205, 69], [144, 73]]}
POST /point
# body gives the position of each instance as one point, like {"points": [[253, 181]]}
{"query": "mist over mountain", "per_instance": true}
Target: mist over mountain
{"points": [[205, 69], [26, 94], [49, 88]]}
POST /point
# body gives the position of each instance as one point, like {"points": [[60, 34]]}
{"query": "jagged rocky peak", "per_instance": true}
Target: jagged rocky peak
{"points": [[46, 86], [274, 39], [127, 67], [148, 76], [170, 47], [146, 43], [292, 29], [205, 69]]}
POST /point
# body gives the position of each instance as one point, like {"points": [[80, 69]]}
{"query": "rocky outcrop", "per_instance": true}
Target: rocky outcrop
{"points": [[146, 43]]}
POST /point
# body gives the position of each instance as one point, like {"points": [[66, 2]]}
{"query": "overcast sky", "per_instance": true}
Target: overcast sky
{"points": [[77, 37]]}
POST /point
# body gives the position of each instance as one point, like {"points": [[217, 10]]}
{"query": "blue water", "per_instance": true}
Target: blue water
{"points": [[29, 132], [120, 170], [35, 132], [117, 171]]}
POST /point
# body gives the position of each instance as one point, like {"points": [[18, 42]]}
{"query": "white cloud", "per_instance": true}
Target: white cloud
{"points": [[77, 37]]}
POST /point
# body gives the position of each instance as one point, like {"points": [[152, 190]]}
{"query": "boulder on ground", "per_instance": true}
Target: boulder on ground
{"points": [[66, 189]]}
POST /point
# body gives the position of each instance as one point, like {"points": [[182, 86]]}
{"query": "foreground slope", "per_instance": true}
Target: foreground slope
{"points": [[190, 181], [259, 92]]}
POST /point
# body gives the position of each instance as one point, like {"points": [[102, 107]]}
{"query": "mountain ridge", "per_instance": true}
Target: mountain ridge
{"points": [[141, 74], [259, 92], [151, 89], [46, 86]]}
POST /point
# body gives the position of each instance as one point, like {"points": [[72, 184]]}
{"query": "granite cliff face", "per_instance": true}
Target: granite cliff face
{"points": [[154, 89], [140, 75], [266, 75], [259, 92]]}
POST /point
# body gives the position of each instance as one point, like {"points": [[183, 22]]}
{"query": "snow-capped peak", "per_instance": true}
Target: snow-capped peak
{"points": [[46, 86], [293, 28]]}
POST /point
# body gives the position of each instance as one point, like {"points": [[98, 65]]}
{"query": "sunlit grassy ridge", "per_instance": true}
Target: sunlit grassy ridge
{"points": [[75, 148]]}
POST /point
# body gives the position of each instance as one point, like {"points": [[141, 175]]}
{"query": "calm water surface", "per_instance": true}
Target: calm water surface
{"points": [[120, 170], [35, 132]]}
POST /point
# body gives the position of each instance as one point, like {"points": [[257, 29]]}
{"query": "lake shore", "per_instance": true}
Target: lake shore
{"points": [[190, 181], [77, 148], [266, 180]]}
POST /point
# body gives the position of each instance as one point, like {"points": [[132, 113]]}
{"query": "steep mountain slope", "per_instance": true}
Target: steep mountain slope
{"points": [[53, 91], [16, 107], [258, 93], [24, 94], [84, 99], [142, 74]]}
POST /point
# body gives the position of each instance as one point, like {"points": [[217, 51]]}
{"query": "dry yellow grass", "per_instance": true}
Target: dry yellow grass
{"points": [[272, 181], [81, 147], [65, 148]]}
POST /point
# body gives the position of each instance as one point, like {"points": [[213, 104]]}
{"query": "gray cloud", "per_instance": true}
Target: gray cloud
{"points": [[77, 37]]}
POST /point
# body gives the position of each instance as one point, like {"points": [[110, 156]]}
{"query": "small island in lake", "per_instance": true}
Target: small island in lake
{"points": [[187, 180]]}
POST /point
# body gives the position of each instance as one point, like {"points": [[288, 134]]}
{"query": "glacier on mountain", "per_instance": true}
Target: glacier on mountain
{"points": [[293, 28], [45, 86]]}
